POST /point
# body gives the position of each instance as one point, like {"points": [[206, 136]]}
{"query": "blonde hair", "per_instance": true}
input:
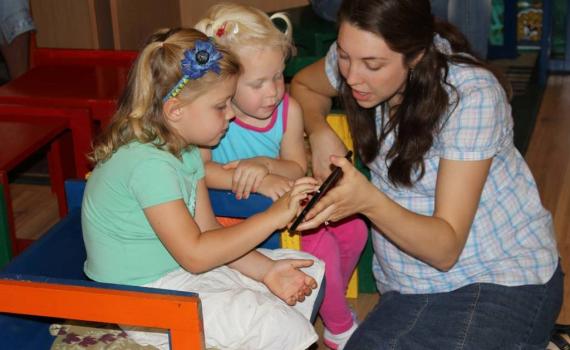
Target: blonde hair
{"points": [[238, 26], [156, 70]]}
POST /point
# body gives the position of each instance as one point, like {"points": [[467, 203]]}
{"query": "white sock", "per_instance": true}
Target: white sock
{"points": [[340, 339]]}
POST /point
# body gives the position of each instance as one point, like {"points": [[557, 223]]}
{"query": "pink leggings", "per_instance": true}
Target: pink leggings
{"points": [[339, 245]]}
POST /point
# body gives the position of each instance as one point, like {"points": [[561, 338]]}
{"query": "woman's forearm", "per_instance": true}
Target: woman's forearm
{"points": [[310, 87], [315, 109], [428, 238]]}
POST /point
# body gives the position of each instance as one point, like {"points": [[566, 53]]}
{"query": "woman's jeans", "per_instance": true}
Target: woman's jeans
{"points": [[472, 17], [480, 316]]}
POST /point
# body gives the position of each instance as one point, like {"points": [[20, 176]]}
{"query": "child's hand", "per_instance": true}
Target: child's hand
{"points": [[353, 194], [275, 186], [287, 282], [247, 177], [288, 206]]}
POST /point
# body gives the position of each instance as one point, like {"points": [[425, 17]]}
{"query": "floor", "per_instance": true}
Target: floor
{"points": [[548, 156], [35, 209]]}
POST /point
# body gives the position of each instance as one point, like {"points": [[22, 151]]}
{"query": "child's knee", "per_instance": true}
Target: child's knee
{"points": [[272, 334], [321, 244], [354, 232]]}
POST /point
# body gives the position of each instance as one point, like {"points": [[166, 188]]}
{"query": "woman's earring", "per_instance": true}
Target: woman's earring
{"points": [[411, 74]]}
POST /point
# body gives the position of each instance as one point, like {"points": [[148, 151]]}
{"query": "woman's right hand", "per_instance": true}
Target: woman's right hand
{"points": [[324, 143], [353, 194], [288, 206]]}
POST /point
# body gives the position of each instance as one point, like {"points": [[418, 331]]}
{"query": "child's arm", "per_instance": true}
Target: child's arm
{"points": [[266, 175], [221, 177], [198, 251], [282, 277], [292, 161], [216, 176]]}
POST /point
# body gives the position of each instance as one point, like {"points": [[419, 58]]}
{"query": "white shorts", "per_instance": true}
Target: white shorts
{"points": [[240, 313]]}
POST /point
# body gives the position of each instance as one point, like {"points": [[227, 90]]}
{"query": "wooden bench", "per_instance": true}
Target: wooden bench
{"points": [[46, 284]]}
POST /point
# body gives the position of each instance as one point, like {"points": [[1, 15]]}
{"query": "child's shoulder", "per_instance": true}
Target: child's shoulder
{"points": [[294, 106], [144, 159], [138, 150], [135, 154]]}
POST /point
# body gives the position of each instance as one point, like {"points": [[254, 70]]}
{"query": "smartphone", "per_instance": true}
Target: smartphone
{"points": [[329, 182]]}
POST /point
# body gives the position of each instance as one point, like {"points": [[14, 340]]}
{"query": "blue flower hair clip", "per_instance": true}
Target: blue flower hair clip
{"points": [[202, 58]]}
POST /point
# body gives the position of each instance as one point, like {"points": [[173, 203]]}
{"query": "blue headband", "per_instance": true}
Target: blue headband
{"points": [[202, 58]]}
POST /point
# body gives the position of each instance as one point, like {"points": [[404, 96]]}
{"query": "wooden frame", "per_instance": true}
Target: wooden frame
{"points": [[47, 280], [179, 312]]}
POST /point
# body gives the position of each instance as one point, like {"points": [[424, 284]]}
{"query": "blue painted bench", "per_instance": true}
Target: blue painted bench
{"points": [[50, 272]]}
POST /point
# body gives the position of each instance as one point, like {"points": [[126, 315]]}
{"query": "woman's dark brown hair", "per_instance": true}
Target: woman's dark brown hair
{"points": [[408, 27]]}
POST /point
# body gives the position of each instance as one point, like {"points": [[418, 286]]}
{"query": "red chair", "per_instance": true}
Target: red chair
{"points": [[91, 79], [78, 121], [26, 130]]}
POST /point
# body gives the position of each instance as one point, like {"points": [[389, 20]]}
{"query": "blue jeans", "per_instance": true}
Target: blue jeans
{"points": [[480, 316], [472, 17], [15, 19]]}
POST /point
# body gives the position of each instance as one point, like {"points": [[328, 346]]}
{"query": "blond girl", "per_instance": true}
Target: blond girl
{"points": [[263, 150], [147, 219]]}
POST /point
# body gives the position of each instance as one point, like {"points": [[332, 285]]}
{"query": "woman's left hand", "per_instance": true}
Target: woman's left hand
{"points": [[351, 195], [288, 282]]}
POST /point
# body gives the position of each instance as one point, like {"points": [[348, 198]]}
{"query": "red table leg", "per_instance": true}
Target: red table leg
{"points": [[80, 124], [61, 167], [9, 211], [81, 127]]}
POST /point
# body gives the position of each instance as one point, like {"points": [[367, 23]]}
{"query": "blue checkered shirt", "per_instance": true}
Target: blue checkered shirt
{"points": [[511, 241]]}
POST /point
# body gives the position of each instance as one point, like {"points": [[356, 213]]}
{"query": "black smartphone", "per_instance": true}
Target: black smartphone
{"points": [[329, 182]]}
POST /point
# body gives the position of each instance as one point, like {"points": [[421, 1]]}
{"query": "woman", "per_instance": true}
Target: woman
{"points": [[465, 255]]}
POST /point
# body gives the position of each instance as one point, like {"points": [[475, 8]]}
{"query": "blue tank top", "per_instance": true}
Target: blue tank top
{"points": [[246, 141]]}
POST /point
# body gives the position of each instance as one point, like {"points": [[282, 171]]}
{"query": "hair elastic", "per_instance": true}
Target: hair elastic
{"points": [[442, 45], [220, 32]]}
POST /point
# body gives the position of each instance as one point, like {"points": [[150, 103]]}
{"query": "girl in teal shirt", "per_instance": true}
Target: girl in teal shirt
{"points": [[147, 218]]}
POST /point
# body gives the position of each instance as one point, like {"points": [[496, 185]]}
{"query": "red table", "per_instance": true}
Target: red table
{"points": [[78, 121], [86, 79], [20, 140], [95, 87]]}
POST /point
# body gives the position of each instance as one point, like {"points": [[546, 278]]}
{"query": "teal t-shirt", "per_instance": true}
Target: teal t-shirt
{"points": [[121, 245]]}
